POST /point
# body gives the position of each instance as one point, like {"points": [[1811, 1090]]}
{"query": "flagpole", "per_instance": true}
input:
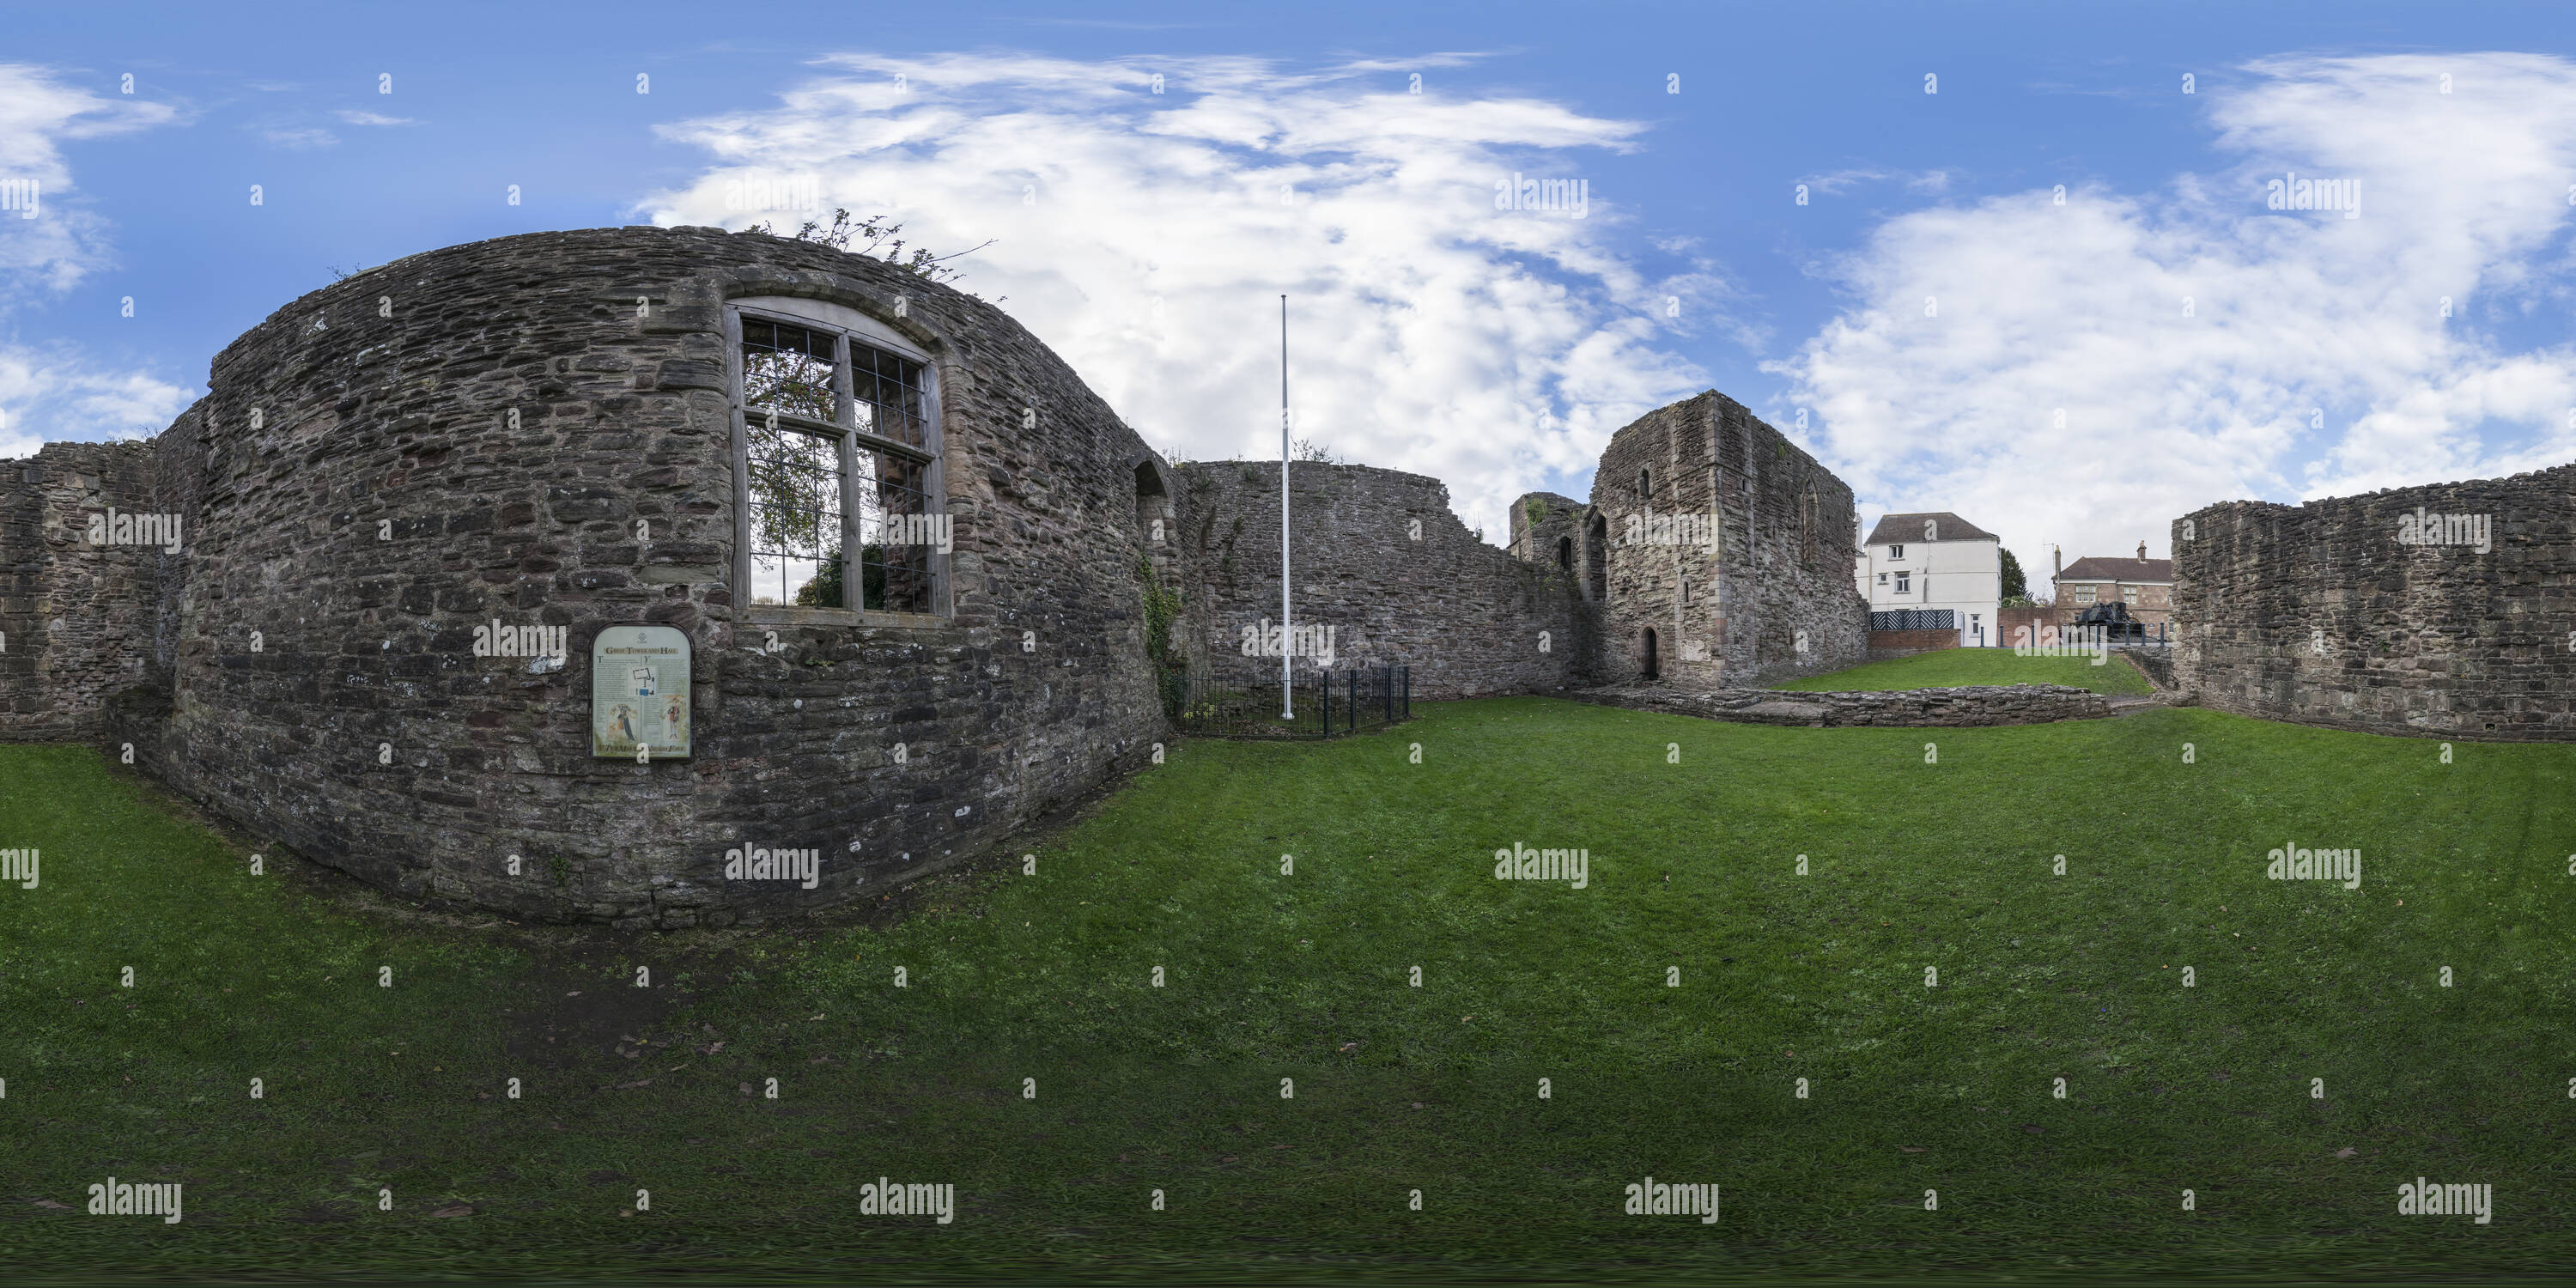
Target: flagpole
{"points": [[1287, 631]]}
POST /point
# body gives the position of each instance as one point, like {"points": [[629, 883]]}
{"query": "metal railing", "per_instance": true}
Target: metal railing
{"points": [[1242, 703], [1914, 619]]}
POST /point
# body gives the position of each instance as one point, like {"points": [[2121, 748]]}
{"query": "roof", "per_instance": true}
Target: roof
{"points": [[1907, 529], [2092, 568]]}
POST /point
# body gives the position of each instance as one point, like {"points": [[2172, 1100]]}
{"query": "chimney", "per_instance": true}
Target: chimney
{"points": [[2056, 561], [2142, 551]]}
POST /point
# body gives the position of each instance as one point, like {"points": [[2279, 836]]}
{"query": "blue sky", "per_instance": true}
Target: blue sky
{"points": [[1955, 337]]}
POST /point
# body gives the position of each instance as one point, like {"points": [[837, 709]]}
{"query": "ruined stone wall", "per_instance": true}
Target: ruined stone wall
{"points": [[2318, 614], [1970, 706], [363, 496], [1545, 530], [1377, 556], [77, 620], [1780, 567]]}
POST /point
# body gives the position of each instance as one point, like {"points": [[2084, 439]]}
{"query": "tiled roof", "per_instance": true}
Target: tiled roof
{"points": [[1907, 529], [2095, 568]]}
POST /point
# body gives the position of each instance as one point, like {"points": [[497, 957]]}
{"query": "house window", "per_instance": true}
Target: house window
{"points": [[1882, 579], [2129, 593], [840, 452], [1904, 583], [2083, 594], [1896, 552]]}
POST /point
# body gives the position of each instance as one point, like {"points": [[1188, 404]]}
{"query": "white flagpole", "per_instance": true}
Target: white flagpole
{"points": [[1287, 631]]}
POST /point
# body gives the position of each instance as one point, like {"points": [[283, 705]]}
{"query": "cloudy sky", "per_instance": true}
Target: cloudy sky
{"points": [[2016, 262]]}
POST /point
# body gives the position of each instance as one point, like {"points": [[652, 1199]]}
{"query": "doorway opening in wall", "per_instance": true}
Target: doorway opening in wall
{"points": [[1596, 559], [1648, 658]]}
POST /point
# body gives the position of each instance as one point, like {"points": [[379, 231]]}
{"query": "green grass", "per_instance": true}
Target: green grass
{"points": [[1954, 667], [1010, 976]]}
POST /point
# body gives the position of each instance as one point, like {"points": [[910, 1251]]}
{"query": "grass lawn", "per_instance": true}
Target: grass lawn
{"points": [[1306, 976], [1953, 667]]}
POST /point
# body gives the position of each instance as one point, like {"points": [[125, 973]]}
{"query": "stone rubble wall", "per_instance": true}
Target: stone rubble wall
{"points": [[2317, 614], [77, 621], [1966, 707], [1379, 557]]}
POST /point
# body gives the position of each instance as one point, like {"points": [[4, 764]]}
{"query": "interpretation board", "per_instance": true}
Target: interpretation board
{"points": [[639, 692]]}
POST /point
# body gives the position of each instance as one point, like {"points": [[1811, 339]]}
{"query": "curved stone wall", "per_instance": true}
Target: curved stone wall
{"points": [[537, 430]]}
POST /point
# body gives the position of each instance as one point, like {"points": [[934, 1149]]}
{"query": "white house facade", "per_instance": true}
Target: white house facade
{"points": [[1935, 561]]}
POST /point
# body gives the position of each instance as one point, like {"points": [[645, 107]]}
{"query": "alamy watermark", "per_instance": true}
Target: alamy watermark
{"points": [[1268, 639], [2476, 531], [937, 530], [804, 867], [1654, 1198], [2051, 641], [1521, 863], [19, 866], [797, 192], [497, 640], [1652, 529], [21, 195], [119, 528], [882, 1197], [2295, 193], [113, 1199], [2290, 863], [2426, 1198], [1570, 197]]}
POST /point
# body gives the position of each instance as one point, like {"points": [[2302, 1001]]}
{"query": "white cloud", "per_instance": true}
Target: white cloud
{"points": [[2080, 307], [1144, 237], [54, 391], [37, 114], [298, 138], [1834, 183], [373, 118]]}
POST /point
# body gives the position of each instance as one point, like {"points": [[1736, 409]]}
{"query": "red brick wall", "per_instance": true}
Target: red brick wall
{"points": [[1887, 644]]}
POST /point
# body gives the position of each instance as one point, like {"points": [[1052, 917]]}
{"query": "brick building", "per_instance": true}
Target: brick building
{"points": [[2145, 585]]}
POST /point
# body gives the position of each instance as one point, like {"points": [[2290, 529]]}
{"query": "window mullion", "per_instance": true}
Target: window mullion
{"points": [[845, 415]]}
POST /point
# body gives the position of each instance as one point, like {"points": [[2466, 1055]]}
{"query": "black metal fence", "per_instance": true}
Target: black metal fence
{"points": [[1244, 703], [1915, 619]]}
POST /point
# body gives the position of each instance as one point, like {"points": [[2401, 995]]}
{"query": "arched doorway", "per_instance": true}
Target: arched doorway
{"points": [[1646, 655]]}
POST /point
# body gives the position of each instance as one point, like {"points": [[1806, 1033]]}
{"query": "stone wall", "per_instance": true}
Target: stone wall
{"points": [[1769, 598], [2318, 613], [476, 433], [77, 620], [1966, 707], [1380, 559]]}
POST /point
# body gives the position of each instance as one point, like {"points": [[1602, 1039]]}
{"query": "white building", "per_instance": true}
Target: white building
{"points": [[1935, 561]]}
